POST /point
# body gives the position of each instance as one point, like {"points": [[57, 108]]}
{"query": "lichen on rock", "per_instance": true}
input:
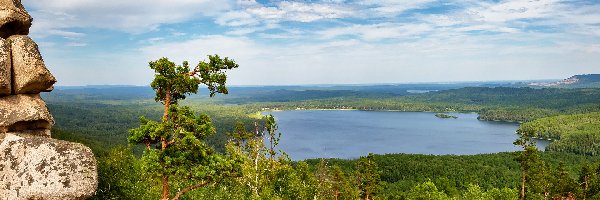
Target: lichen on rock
{"points": [[24, 112], [14, 20], [30, 75], [44, 168], [5, 68], [32, 165]]}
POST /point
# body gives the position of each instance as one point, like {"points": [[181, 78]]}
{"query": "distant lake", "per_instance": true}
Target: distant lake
{"points": [[352, 133]]}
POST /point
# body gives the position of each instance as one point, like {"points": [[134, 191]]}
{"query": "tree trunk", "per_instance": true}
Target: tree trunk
{"points": [[167, 104], [163, 141], [165, 178], [256, 149], [271, 152], [585, 186], [190, 188], [165, 187], [523, 186]]}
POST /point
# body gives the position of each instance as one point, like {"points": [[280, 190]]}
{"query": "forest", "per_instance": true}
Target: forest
{"points": [[105, 119], [577, 133]]}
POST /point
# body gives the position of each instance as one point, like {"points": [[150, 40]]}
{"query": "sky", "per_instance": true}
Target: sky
{"points": [[110, 42]]}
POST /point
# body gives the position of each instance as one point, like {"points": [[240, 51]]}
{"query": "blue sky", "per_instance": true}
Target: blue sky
{"points": [[90, 42]]}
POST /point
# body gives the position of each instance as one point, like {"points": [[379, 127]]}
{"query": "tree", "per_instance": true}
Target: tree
{"points": [[565, 186], [251, 148], [426, 191], [341, 185], [504, 193], [120, 177], [474, 192], [368, 176], [266, 174], [175, 146], [324, 181], [528, 158], [271, 127], [584, 178]]}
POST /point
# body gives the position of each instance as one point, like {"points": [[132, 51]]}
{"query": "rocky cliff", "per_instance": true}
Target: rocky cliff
{"points": [[32, 165]]}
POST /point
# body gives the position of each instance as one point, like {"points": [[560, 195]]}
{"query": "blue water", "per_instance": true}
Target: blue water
{"points": [[351, 134]]}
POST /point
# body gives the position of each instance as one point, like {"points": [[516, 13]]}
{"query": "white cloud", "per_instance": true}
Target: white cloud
{"points": [[133, 16], [198, 48], [515, 10], [378, 31], [392, 8], [443, 58], [236, 18], [76, 44], [66, 34], [251, 13], [361, 41]]}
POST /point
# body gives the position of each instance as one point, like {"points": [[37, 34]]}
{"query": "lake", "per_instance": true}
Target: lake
{"points": [[352, 133]]}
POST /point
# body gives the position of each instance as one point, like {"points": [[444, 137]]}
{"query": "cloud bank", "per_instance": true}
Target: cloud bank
{"points": [[326, 41]]}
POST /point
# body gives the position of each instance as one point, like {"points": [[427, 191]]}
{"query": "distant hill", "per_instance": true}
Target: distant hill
{"points": [[252, 94], [577, 81]]}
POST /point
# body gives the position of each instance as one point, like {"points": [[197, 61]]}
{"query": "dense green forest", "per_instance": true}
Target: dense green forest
{"points": [[499, 104], [113, 114], [519, 104], [578, 133], [107, 122], [401, 176], [101, 119]]}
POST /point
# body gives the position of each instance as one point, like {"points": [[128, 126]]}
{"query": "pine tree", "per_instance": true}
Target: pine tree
{"points": [[175, 145], [528, 158], [585, 178], [367, 177]]}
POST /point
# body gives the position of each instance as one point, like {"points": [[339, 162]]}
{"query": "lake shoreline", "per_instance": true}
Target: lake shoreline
{"points": [[353, 109], [383, 132]]}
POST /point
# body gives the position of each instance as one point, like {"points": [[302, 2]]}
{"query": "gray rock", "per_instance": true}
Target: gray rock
{"points": [[14, 20], [30, 75], [24, 112], [44, 168], [5, 68]]}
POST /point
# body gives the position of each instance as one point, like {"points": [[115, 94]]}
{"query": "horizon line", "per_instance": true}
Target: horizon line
{"points": [[337, 84]]}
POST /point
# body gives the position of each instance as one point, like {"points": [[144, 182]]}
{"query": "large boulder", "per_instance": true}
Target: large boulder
{"points": [[14, 20], [30, 75], [5, 68], [24, 112], [44, 168]]}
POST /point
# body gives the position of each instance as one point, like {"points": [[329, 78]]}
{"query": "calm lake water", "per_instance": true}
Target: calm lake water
{"points": [[351, 134]]}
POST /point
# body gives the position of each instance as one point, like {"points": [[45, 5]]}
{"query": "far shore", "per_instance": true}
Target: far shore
{"points": [[343, 109]]}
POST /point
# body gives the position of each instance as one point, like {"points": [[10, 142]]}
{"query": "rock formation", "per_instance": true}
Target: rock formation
{"points": [[32, 165]]}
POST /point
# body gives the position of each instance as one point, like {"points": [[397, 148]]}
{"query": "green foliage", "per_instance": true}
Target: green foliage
{"points": [[504, 193], [578, 133], [564, 185], [102, 122], [539, 180], [97, 148], [186, 156], [212, 73], [445, 116], [175, 146], [499, 104], [175, 82], [172, 81], [120, 177], [265, 176], [426, 191], [271, 129], [474, 192], [368, 177]]}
